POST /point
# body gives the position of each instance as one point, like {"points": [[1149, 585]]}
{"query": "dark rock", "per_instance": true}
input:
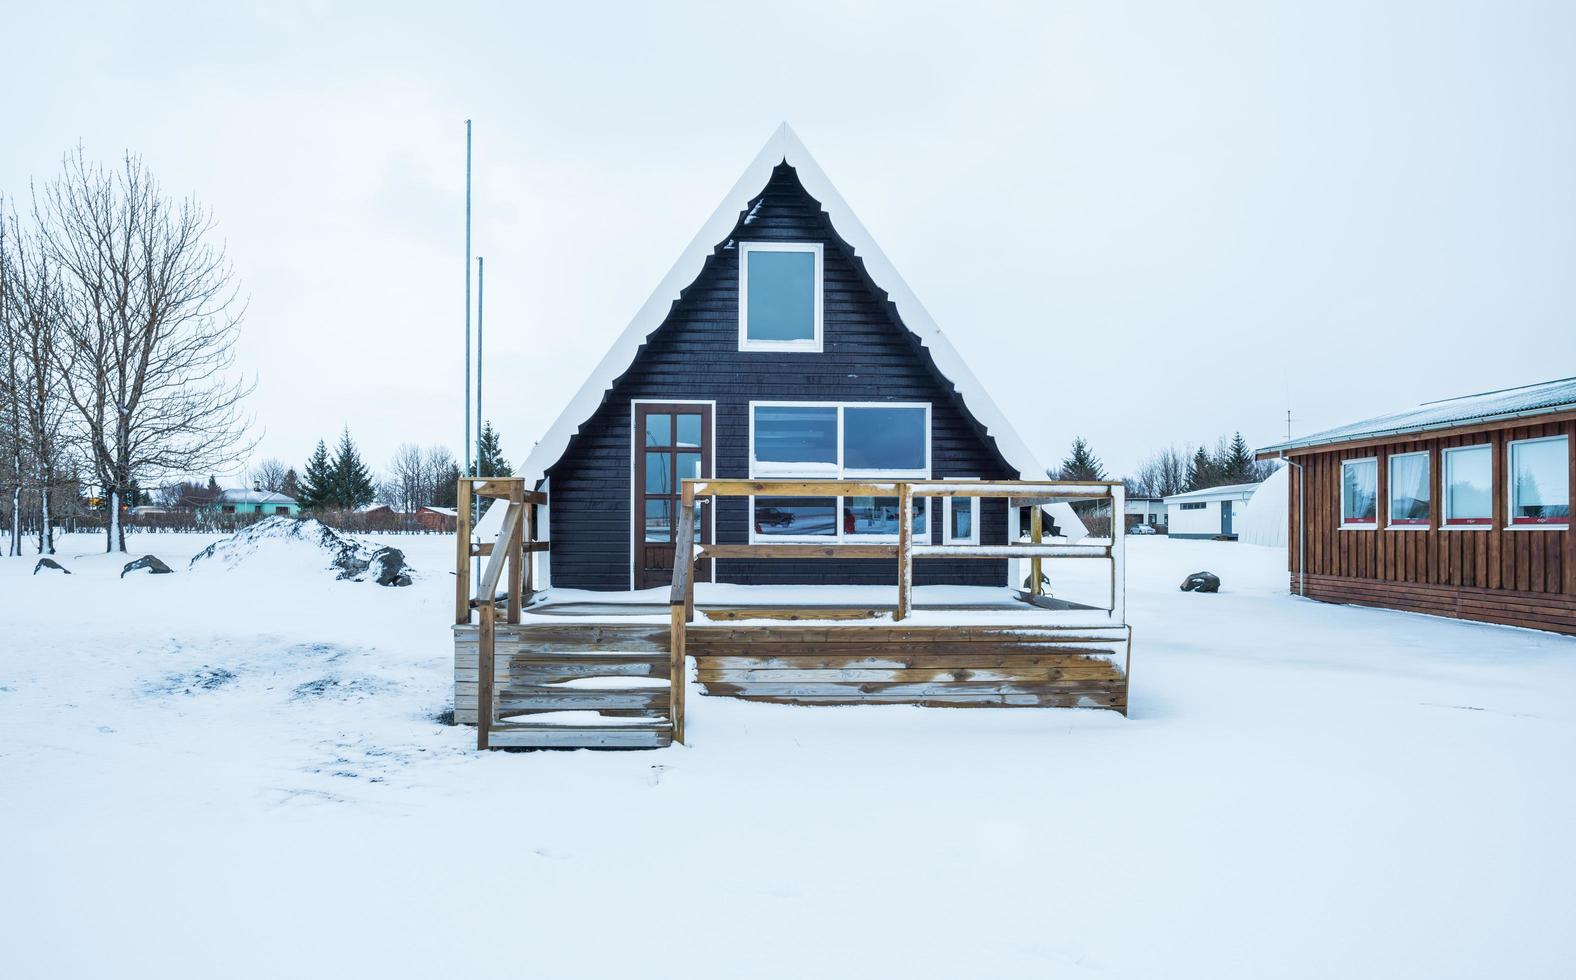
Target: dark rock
{"points": [[152, 564], [51, 564], [1201, 582], [388, 567]]}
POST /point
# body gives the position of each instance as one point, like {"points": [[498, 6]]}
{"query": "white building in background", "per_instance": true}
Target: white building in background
{"points": [[1210, 513], [1145, 510]]}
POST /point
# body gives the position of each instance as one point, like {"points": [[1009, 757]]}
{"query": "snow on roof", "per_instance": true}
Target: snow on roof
{"points": [[1216, 493], [239, 496], [782, 147], [1543, 398], [445, 511]]}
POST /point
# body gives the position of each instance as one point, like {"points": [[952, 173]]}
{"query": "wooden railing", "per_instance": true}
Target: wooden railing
{"points": [[511, 551], [1031, 494]]}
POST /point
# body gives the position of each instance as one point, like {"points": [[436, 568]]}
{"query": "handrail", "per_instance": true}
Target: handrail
{"points": [[509, 554], [1017, 493], [681, 609]]}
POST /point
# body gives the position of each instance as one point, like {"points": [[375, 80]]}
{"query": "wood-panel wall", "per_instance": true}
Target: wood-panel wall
{"points": [[1523, 577]]}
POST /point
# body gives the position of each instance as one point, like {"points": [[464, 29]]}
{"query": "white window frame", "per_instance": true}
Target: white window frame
{"points": [[946, 517], [1389, 492], [1367, 525], [1510, 478], [1485, 523], [813, 345], [827, 471]]}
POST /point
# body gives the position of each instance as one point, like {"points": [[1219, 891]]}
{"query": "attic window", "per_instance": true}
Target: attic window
{"points": [[780, 296]]}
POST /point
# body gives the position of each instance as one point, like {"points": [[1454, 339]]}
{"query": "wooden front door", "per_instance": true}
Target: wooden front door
{"points": [[672, 443]]}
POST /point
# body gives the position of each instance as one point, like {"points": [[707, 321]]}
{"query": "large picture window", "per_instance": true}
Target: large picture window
{"points": [[1359, 492], [1409, 490], [1540, 482], [780, 296], [1469, 486], [821, 440]]}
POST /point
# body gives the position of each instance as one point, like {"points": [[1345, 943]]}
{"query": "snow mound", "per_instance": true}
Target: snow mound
{"points": [[276, 538]]}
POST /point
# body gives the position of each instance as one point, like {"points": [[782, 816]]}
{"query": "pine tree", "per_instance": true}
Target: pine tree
{"points": [[1083, 464], [1201, 471], [490, 460], [1236, 464], [351, 481], [291, 487], [317, 486]]}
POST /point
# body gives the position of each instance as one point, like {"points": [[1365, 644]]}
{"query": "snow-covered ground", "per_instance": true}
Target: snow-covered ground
{"points": [[239, 772]]}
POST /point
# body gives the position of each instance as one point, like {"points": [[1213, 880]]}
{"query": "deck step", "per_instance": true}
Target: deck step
{"points": [[514, 736]]}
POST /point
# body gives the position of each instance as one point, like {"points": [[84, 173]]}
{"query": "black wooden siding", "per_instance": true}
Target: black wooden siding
{"points": [[868, 356]]}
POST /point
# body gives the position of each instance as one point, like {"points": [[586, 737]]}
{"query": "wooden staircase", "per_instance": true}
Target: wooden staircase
{"points": [[549, 686], [570, 686]]}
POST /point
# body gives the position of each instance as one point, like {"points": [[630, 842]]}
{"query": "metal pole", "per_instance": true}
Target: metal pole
{"points": [[1302, 549], [467, 297], [479, 287]]}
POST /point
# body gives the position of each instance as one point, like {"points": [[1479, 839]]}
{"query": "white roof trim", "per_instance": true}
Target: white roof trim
{"points": [[784, 146]]}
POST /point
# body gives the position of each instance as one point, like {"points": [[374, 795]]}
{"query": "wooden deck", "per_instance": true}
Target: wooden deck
{"points": [[610, 674]]}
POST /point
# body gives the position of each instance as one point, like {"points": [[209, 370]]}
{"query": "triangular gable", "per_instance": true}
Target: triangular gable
{"points": [[784, 146]]}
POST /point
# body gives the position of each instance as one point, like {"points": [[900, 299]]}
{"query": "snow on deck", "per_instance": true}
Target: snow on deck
{"points": [[246, 769]]}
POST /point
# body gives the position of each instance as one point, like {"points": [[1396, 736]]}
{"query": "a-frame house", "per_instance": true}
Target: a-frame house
{"points": [[782, 344]]}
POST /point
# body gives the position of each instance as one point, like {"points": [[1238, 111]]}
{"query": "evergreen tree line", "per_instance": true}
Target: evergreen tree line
{"points": [[1172, 470], [339, 479]]}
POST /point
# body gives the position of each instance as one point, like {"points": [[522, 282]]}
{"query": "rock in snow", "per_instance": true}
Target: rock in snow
{"points": [[152, 564], [1201, 582], [354, 560], [50, 563]]}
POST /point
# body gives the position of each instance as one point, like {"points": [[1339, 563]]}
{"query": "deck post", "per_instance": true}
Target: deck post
{"points": [[485, 669], [1118, 554], [677, 671], [1036, 537], [686, 540], [462, 552], [516, 546], [905, 551], [530, 555]]}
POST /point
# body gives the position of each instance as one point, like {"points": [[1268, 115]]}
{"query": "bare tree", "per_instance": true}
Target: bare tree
{"points": [[10, 390], [34, 325], [1162, 474], [270, 475], [147, 353]]}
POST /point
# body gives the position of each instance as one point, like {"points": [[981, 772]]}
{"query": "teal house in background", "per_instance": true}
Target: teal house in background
{"points": [[243, 502]]}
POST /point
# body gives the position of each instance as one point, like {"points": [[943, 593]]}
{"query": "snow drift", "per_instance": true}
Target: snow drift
{"points": [[283, 538]]}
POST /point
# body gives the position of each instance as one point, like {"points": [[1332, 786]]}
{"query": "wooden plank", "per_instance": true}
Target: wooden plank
{"points": [[800, 550], [1060, 699], [787, 613], [1031, 551], [567, 737], [1037, 539], [943, 676], [518, 700], [827, 660], [905, 553], [677, 671]]}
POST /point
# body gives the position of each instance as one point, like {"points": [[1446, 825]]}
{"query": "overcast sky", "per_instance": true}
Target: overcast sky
{"points": [[1142, 223]]}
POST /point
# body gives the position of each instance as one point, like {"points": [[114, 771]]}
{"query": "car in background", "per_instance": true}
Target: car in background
{"points": [[1141, 529]]}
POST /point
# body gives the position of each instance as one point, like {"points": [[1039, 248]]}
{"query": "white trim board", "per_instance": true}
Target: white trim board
{"points": [[784, 147]]}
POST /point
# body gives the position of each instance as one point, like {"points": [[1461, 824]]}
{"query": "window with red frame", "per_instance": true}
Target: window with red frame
{"points": [[1469, 486], [1540, 482]]}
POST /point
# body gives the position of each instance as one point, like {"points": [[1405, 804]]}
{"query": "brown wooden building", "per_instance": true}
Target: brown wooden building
{"points": [[1456, 508]]}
